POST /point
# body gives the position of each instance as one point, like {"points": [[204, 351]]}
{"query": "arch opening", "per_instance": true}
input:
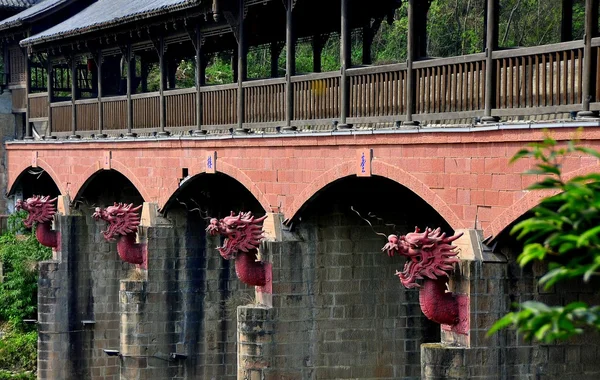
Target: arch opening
{"points": [[393, 207], [32, 181], [211, 195], [104, 188]]}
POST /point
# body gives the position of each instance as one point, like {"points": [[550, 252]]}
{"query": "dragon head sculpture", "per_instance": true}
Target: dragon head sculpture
{"points": [[243, 233], [41, 209], [430, 254], [123, 219]]}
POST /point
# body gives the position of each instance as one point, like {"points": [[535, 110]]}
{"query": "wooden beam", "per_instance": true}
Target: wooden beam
{"points": [[128, 54], [290, 64], [73, 62], [49, 78], [275, 51], [490, 73], [241, 68], [317, 45], [162, 86], [566, 23], [591, 19], [199, 73], [99, 62], [411, 50], [28, 132], [346, 63]]}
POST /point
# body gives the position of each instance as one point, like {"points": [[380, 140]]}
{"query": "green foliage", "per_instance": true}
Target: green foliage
{"points": [[564, 232], [18, 352], [19, 254], [8, 375]]}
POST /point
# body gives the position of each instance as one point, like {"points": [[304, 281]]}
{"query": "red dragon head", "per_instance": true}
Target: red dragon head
{"points": [[40, 209], [122, 219], [243, 233], [430, 254]]}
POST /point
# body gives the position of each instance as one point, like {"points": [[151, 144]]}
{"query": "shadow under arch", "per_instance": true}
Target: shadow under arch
{"points": [[389, 206], [214, 195], [34, 181], [382, 169], [105, 187]]}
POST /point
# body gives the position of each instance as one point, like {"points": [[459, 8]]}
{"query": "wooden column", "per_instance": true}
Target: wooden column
{"points": [[491, 44], [275, 53], [74, 97], [368, 35], [345, 58], [199, 74], [99, 62], [566, 23], [28, 133], [163, 85], [411, 56], [241, 68], [49, 85], [129, 58], [290, 64], [144, 72], [591, 19], [317, 45]]}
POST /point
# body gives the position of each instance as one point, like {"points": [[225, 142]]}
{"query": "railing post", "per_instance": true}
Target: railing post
{"points": [[345, 57], [49, 85], [74, 134], [290, 65], [241, 68], [129, 59], [99, 62], [199, 74], [411, 50], [163, 78], [28, 133], [591, 18], [490, 45]]}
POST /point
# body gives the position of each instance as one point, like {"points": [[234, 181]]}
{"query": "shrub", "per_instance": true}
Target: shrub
{"points": [[19, 254]]}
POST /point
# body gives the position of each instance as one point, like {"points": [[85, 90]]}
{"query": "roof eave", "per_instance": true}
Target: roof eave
{"points": [[94, 28]]}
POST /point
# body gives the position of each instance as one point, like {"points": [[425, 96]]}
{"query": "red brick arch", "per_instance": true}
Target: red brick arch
{"points": [[383, 169], [231, 171], [116, 166], [529, 201], [46, 167]]}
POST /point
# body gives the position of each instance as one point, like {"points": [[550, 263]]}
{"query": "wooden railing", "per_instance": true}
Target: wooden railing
{"points": [[180, 108], [546, 78], [219, 105], [114, 113], [87, 115], [316, 97], [62, 120], [146, 111], [377, 92], [526, 82], [451, 86], [264, 101], [38, 105]]}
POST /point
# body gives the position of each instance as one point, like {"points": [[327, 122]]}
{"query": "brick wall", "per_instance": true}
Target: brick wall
{"points": [[494, 287], [81, 286], [466, 177]]}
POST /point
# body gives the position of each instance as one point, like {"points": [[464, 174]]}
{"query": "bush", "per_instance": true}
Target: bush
{"points": [[18, 352], [564, 232], [19, 254]]}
